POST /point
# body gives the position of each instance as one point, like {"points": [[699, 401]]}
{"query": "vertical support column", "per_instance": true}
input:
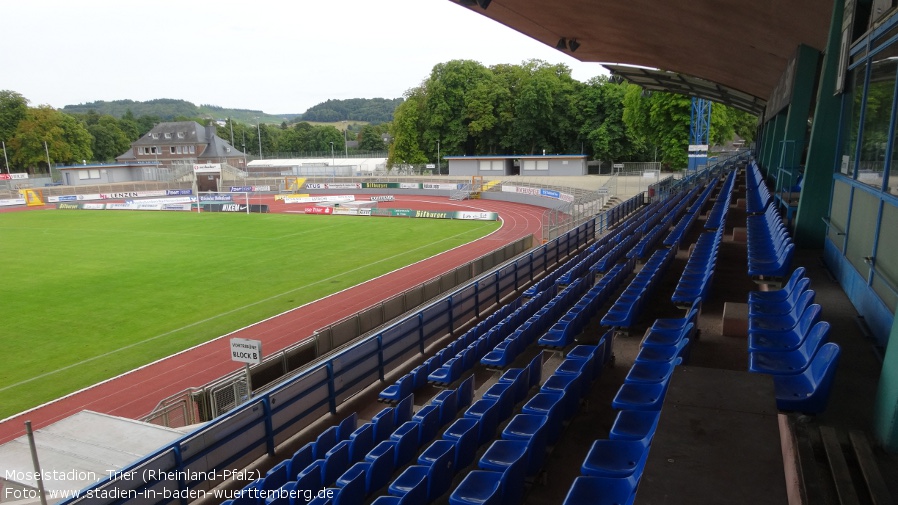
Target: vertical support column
{"points": [[795, 131], [885, 410], [816, 191]]}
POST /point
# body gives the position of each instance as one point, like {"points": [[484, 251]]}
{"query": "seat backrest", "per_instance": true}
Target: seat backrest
{"points": [[823, 364], [809, 318], [347, 426], [325, 442], [817, 336], [403, 411]]}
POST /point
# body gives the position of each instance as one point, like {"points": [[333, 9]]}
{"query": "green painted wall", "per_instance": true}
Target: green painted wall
{"points": [[885, 412], [813, 205]]}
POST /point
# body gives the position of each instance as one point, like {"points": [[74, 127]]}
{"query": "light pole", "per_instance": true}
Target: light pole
{"points": [[5, 158], [244, 148], [259, 129], [49, 168], [439, 163], [333, 160], [345, 143], [156, 154]]}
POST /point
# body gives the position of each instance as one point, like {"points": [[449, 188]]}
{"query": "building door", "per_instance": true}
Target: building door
{"points": [[207, 181]]}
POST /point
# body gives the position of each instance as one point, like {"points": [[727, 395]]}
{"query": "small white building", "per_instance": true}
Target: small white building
{"points": [[528, 165]]}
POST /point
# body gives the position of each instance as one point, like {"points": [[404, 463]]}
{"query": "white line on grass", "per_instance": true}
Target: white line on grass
{"points": [[217, 316]]}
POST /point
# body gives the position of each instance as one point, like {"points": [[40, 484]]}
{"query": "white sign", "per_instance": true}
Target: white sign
{"points": [[602, 191], [430, 165], [619, 166], [698, 147], [207, 168], [246, 351]]}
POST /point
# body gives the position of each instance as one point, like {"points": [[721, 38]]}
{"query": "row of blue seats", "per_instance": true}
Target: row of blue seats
{"points": [[520, 453], [583, 266], [562, 333], [436, 466], [670, 211], [616, 253], [419, 376], [718, 213], [626, 310], [757, 196], [506, 351], [788, 341], [362, 462], [612, 468], [684, 225], [530, 313], [770, 248], [695, 281]]}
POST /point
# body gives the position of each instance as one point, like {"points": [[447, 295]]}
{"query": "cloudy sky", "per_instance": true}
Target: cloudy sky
{"points": [[274, 56]]}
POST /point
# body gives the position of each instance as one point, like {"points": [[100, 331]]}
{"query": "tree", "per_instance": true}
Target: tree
{"points": [[371, 138], [68, 141], [109, 140], [599, 109], [13, 109], [407, 130]]}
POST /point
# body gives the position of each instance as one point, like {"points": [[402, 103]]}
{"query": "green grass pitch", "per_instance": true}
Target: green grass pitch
{"points": [[87, 295]]}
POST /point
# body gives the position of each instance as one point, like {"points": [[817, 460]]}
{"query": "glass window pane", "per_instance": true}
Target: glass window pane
{"points": [[853, 98], [877, 113]]}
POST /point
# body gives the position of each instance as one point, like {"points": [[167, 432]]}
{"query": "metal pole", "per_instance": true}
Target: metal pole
{"points": [[439, 165], [5, 158], [49, 168], [249, 384], [259, 128], [333, 160], [231, 124], [345, 142], [36, 463]]}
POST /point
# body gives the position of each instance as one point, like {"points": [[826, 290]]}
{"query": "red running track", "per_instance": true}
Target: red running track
{"points": [[136, 393]]}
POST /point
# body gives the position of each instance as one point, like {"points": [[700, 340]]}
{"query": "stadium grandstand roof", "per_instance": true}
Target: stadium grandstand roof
{"points": [[741, 46]]}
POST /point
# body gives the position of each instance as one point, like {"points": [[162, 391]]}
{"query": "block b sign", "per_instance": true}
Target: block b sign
{"points": [[246, 351]]}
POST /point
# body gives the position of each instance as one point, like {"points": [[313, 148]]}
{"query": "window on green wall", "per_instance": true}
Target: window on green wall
{"points": [[852, 116], [877, 115]]}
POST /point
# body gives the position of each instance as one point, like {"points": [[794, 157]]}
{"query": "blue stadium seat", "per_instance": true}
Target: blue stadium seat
{"points": [[383, 424], [601, 491], [276, 476], [550, 405], [571, 386], [634, 425], [790, 362], [615, 458], [787, 340], [519, 378], [440, 458], [404, 410], [347, 426], [325, 442], [311, 477], [428, 417], [466, 393], [532, 429], [639, 397], [336, 461], [447, 401], [405, 438], [301, 459], [479, 487], [352, 485], [503, 393], [465, 434], [398, 390], [412, 482], [664, 353], [808, 392], [486, 412], [510, 458], [361, 441], [381, 462], [651, 372], [772, 307], [780, 294]]}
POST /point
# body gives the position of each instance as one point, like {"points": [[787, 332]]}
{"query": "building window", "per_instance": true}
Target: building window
{"points": [[180, 135], [192, 149], [877, 114], [168, 135], [173, 150], [155, 135], [852, 116], [88, 174]]}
